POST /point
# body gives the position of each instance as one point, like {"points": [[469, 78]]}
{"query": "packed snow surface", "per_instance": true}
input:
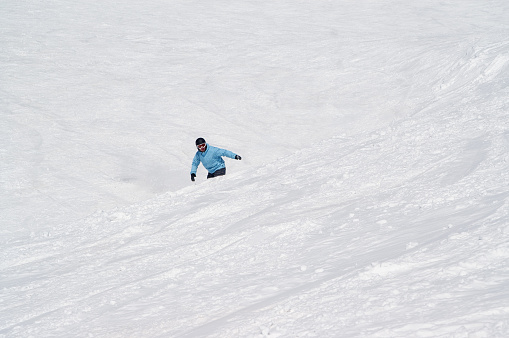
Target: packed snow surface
{"points": [[372, 199]]}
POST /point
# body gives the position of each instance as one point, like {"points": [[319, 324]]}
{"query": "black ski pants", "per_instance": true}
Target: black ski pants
{"points": [[216, 173]]}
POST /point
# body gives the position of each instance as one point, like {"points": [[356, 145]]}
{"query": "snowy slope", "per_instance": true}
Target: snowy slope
{"points": [[372, 198]]}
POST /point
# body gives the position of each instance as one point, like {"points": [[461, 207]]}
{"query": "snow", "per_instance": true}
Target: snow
{"points": [[372, 199]]}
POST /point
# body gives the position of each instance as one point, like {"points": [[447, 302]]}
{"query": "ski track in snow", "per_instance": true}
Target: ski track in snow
{"points": [[387, 216]]}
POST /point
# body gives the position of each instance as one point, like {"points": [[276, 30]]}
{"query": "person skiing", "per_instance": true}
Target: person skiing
{"points": [[211, 158]]}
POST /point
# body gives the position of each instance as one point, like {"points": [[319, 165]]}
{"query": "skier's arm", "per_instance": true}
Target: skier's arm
{"points": [[227, 153], [195, 164]]}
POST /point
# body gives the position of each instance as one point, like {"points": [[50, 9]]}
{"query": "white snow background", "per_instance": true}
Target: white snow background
{"points": [[372, 199]]}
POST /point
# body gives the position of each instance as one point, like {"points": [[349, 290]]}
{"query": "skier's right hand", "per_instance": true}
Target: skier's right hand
{"points": [[193, 177]]}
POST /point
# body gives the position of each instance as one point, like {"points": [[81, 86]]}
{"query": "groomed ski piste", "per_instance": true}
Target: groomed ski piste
{"points": [[372, 199]]}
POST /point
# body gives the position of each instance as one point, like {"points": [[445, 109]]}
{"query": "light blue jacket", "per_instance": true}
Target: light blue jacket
{"points": [[211, 159]]}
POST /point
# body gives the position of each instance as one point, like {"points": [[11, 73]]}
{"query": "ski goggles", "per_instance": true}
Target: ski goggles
{"points": [[202, 146]]}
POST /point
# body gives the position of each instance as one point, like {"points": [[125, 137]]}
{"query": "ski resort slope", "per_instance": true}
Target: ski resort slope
{"points": [[372, 199], [102, 101]]}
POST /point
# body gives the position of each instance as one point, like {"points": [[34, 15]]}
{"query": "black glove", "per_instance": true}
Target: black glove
{"points": [[192, 177], [237, 157]]}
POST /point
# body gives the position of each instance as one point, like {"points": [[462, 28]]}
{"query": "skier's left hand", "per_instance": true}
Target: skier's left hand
{"points": [[237, 157]]}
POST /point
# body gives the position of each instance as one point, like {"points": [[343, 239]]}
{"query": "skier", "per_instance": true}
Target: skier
{"points": [[211, 158]]}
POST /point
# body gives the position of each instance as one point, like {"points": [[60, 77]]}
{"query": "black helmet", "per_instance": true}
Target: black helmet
{"points": [[200, 140]]}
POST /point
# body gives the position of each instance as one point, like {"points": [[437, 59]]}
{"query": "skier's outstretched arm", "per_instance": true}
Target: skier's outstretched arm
{"points": [[227, 153], [194, 166]]}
